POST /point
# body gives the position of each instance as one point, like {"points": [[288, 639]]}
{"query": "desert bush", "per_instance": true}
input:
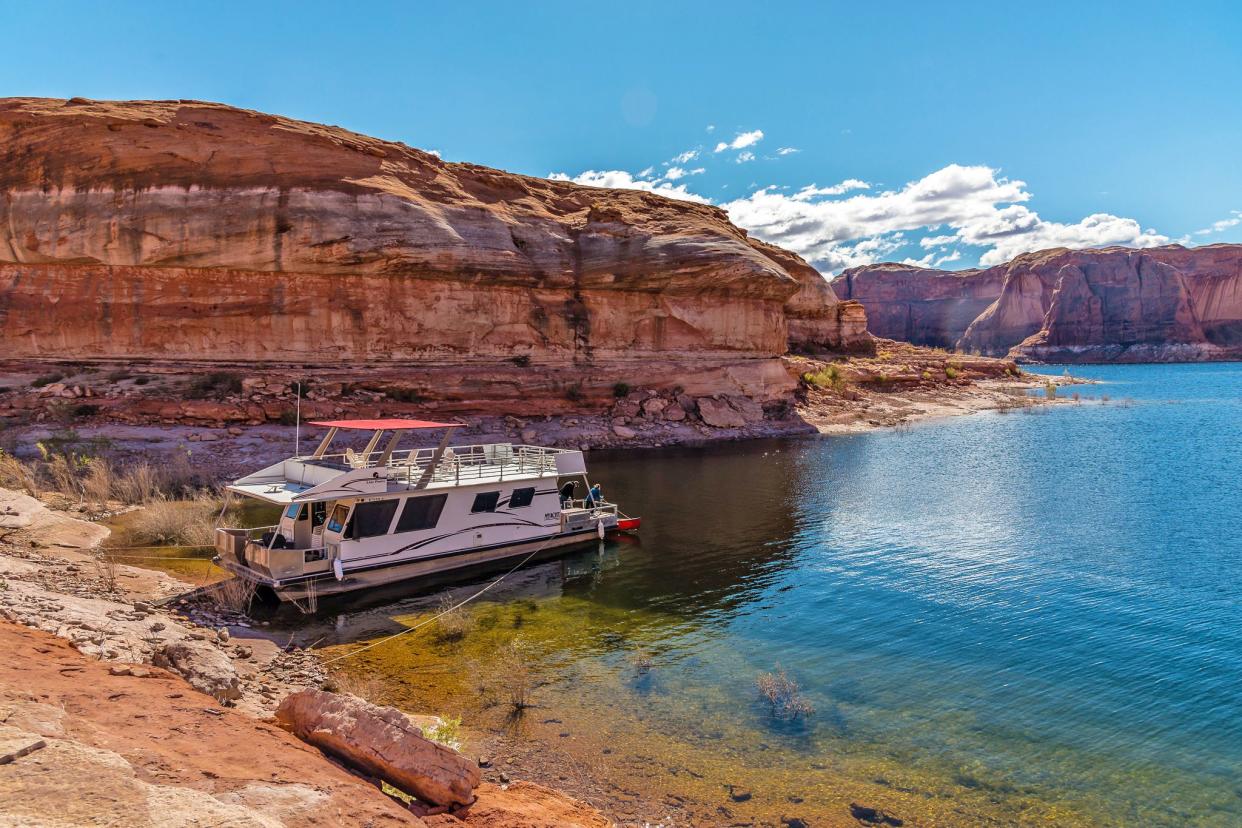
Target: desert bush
{"points": [[99, 482], [46, 379], [1050, 389], [830, 376], [215, 384], [515, 682], [446, 732], [521, 360], [783, 695], [951, 371], [453, 622], [574, 393], [19, 475], [233, 594], [176, 522], [106, 566], [620, 389], [137, 484], [366, 687]]}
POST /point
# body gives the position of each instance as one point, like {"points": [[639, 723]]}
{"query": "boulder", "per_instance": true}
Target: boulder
{"points": [[381, 742], [624, 432], [719, 414], [206, 669], [750, 410]]}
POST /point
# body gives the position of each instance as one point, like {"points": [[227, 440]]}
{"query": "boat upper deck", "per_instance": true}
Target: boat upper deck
{"points": [[329, 476]]}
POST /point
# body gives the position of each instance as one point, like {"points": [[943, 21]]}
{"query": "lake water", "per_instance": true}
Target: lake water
{"points": [[999, 619]]}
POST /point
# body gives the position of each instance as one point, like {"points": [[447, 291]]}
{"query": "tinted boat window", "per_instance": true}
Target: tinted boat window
{"points": [[521, 497], [294, 511], [485, 502], [421, 513], [373, 518]]}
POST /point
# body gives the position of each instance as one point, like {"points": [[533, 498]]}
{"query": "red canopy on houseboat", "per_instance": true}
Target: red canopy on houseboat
{"points": [[386, 425]]}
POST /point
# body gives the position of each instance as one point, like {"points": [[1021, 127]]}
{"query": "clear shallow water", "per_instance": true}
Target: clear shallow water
{"points": [[1007, 617]]}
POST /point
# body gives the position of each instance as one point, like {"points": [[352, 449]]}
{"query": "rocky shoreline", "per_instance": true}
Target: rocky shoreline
{"points": [[86, 630]]}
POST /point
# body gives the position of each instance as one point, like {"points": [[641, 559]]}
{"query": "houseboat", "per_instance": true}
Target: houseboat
{"points": [[358, 519]]}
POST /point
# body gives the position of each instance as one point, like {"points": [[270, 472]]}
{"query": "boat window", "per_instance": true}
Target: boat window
{"points": [[293, 511], [421, 513], [319, 513], [371, 519], [521, 497], [338, 519], [485, 502]]}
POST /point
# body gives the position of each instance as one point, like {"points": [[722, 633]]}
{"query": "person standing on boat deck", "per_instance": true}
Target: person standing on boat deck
{"points": [[594, 497], [567, 492]]}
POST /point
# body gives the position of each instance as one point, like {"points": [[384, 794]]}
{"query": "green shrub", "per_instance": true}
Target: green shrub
{"points": [[521, 360], [830, 376], [951, 371], [46, 379], [621, 389]]}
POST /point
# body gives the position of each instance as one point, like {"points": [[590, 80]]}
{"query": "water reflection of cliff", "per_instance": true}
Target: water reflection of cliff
{"points": [[718, 524]]}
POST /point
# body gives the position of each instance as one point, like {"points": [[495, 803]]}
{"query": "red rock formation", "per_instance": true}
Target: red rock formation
{"points": [[189, 230], [918, 304], [1166, 304]]}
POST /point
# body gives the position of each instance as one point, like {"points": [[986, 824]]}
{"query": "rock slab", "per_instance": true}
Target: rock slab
{"points": [[382, 742]]}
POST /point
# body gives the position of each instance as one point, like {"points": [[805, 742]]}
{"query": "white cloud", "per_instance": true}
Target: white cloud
{"points": [[711, 127], [1222, 225], [936, 241], [741, 141], [787, 150], [688, 155], [810, 191], [436, 153], [983, 209], [622, 180], [951, 257], [674, 173], [647, 173], [743, 157]]}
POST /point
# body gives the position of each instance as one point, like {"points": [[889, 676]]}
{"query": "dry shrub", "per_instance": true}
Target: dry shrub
{"points": [[99, 482], [19, 475], [176, 522], [513, 682], [62, 469], [136, 485], [106, 565], [783, 695], [233, 594], [366, 687], [453, 622]]}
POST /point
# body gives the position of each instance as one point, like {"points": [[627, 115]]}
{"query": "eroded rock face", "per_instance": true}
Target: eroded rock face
{"points": [[196, 230], [1166, 304], [383, 742]]}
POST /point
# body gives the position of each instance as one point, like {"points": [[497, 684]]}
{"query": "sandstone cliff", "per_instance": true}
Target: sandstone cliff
{"points": [[196, 231], [1166, 304]]}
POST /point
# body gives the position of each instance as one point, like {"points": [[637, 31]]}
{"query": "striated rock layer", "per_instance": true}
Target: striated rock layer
{"points": [[1165, 304], [188, 230]]}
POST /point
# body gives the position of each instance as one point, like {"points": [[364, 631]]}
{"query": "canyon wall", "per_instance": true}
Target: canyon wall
{"points": [[182, 230], [1164, 304]]}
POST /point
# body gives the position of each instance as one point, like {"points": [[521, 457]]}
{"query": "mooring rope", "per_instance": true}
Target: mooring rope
{"points": [[439, 615]]}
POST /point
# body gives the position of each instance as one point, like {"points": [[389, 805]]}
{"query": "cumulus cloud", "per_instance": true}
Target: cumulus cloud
{"points": [[674, 173], [743, 157], [1224, 224], [685, 157], [741, 141], [810, 191], [981, 207], [622, 180]]}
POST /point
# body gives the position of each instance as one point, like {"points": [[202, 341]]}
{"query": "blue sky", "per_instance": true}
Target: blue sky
{"points": [[985, 128]]}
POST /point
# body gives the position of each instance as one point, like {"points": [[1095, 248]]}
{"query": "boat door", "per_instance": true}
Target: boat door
{"points": [[333, 529]]}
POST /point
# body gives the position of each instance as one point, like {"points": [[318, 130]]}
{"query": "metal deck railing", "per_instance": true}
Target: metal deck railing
{"points": [[458, 464]]}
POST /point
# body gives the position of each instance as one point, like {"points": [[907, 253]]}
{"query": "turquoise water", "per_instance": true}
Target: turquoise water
{"points": [[1016, 608]]}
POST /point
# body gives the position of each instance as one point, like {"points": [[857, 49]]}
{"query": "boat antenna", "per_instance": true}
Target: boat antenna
{"points": [[297, 418]]}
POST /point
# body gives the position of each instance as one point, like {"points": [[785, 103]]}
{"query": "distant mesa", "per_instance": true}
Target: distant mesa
{"points": [[1163, 304]]}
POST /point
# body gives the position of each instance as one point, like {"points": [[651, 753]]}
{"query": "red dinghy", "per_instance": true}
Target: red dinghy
{"points": [[629, 524]]}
